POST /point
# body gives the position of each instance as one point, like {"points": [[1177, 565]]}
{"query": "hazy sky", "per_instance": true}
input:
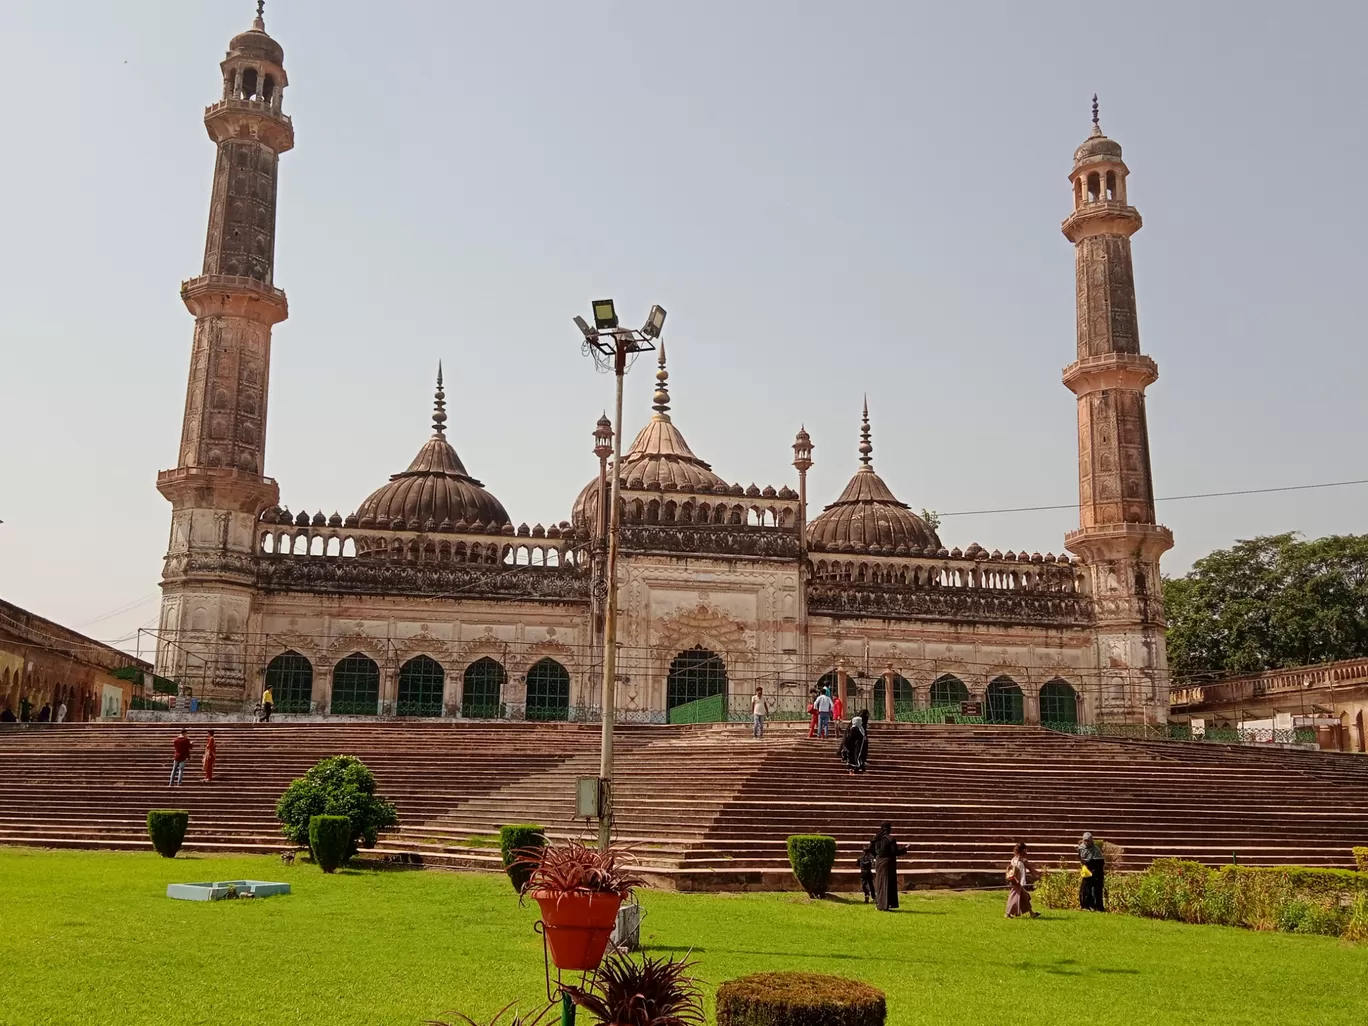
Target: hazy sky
{"points": [[829, 199]]}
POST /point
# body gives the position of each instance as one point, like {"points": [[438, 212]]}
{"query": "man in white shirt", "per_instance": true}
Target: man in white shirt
{"points": [[759, 707], [824, 706], [61, 713]]}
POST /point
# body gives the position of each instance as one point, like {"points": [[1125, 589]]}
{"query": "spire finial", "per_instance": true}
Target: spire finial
{"points": [[866, 446], [662, 392], [439, 400], [1095, 110], [259, 22]]}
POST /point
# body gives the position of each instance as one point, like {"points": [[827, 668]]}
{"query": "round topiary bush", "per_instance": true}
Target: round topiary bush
{"points": [[330, 837], [517, 839], [799, 999], [812, 856], [166, 827], [337, 786]]}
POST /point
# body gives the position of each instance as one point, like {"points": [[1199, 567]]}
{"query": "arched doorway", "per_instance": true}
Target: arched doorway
{"points": [[903, 696], [356, 686], [830, 679], [289, 676], [548, 691], [1058, 704], [947, 692], [482, 689], [695, 673], [1005, 703], [421, 680]]}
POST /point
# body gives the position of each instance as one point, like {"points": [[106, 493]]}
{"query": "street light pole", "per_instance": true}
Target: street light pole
{"points": [[605, 339]]}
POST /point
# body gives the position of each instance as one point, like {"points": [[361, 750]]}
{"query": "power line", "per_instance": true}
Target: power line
{"points": [[1166, 498]]}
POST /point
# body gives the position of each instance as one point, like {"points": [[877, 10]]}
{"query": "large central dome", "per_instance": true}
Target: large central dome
{"points": [[435, 491], [868, 517]]}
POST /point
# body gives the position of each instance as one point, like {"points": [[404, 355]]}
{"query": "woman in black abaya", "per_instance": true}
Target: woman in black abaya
{"points": [[886, 852]]}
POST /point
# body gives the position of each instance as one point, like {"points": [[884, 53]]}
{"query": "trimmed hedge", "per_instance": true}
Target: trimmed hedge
{"points": [[329, 837], [516, 839], [812, 856], [166, 827], [1361, 859], [340, 785], [799, 999]]}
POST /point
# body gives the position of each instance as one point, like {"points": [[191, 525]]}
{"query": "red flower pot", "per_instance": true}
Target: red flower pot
{"points": [[577, 925]]}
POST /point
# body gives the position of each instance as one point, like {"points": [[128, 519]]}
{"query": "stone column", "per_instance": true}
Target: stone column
{"points": [[890, 704]]}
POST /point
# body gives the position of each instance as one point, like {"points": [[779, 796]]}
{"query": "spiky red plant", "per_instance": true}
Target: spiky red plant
{"points": [[654, 992], [575, 867], [517, 1019]]}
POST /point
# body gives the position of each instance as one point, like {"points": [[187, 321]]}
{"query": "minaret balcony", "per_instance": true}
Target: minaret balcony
{"points": [[1109, 371], [235, 295], [249, 119], [1101, 217]]}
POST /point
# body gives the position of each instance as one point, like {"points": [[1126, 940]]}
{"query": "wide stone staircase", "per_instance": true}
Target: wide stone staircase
{"points": [[706, 807]]}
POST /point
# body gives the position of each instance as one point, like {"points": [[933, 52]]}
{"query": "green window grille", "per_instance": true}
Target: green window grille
{"points": [[1005, 703], [482, 689], [289, 676], [1058, 703], [548, 691], [420, 687], [695, 673], [948, 691], [903, 696], [356, 686]]}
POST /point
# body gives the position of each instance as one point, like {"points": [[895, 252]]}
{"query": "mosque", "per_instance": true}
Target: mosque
{"points": [[430, 600]]}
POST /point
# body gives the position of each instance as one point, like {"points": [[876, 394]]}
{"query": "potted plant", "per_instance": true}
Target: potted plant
{"points": [[579, 890], [656, 992]]}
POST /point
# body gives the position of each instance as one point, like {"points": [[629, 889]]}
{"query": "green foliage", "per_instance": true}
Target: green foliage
{"points": [[329, 840], [812, 856], [799, 999], [932, 518], [337, 786], [654, 992], [1272, 602], [1361, 859], [1292, 899], [515, 840], [166, 827]]}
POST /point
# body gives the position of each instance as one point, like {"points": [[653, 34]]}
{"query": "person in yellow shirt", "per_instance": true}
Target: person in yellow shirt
{"points": [[266, 705]]}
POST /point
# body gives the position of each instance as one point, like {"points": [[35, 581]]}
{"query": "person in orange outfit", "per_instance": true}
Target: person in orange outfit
{"points": [[209, 746]]}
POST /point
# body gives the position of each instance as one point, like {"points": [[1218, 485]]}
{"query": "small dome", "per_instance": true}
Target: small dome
{"points": [[256, 43], [435, 487], [1097, 147]]}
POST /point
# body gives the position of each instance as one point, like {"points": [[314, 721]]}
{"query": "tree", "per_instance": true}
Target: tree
{"points": [[336, 786], [1268, 603], [931, 518]]}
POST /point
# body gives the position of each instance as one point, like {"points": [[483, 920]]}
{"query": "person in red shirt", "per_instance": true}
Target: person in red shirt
{"points": [[180, 749]]}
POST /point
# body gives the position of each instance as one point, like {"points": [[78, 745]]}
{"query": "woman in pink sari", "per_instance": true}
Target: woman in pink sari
{"points": [[209, 753], [1019, 873]]}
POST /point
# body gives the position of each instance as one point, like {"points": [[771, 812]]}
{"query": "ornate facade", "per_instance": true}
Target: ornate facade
{"points": [[429, 600]]}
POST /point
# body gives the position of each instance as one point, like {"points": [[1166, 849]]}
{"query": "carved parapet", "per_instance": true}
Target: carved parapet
{"points": [[955, 605], [234, 295], [1101, 217], [724, 540], [364, 577], [249, 119], [1110, 370], [217, 488], [1146, 542]]}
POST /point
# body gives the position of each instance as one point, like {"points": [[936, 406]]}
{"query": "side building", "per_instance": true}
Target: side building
{"points": [[431, 600]]}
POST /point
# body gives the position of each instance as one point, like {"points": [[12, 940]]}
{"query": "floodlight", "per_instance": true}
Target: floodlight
{"points": [[605, 315], [583, 326], [655, 322]]}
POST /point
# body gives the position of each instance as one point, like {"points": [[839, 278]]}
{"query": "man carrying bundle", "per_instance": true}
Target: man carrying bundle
{"points": [[1092, 872]]}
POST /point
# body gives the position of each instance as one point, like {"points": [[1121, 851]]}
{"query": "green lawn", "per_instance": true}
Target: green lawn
{"points": [[90, 938]]}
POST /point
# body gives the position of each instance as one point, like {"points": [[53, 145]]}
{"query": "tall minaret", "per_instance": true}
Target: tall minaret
{"points": [[217, 489], [1118, 539]]}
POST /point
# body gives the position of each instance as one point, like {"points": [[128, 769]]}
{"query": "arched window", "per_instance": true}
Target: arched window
{"points": [[482, 689], [948, 690], [903, 697], [695, 673], [1058, 704], [548, 691], [1005, 702], [356, 686], [1111, 185], [420, 687], [1094, 187]]}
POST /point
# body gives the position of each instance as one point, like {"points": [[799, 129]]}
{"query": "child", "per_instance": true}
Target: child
{"points": [[866, 864]]}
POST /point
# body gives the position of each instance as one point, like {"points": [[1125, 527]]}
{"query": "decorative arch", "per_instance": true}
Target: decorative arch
{"points": [[1005, 703], [482, 687], [356, 685], [289, 676], [548, 691], [421, 680], [903, 696], [948, 690], [695, 673], [830, 679], [1058, 703]]}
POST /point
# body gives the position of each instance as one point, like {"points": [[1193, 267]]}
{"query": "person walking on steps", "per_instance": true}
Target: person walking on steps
{"points": [[1019, 873], [812, 715], [61, 713], [759, 709], [210, 751], [180, 749], [1092, 873], [266, 705], [824, 709]]}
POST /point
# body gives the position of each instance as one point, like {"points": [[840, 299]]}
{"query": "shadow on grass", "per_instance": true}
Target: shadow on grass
{"points": [[1070, 967]]}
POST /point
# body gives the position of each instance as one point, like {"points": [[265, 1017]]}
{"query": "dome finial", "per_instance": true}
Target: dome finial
{"points": [[259, 23], [1097, 127], [439, 403], [662, 392], [866, 446]]}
